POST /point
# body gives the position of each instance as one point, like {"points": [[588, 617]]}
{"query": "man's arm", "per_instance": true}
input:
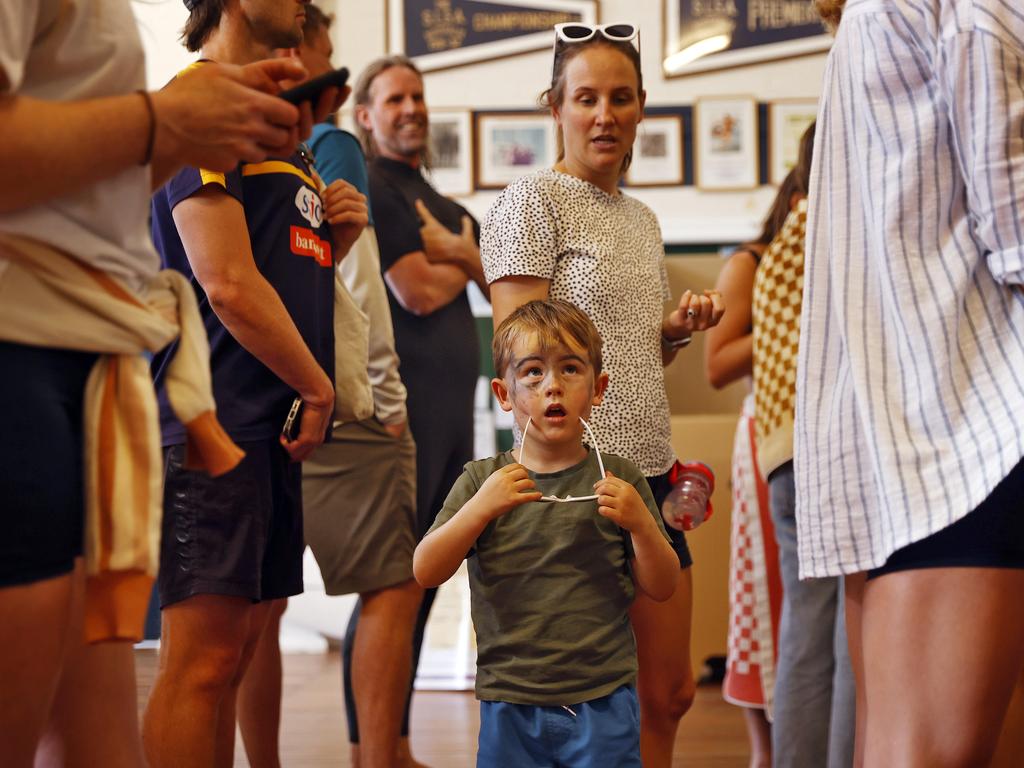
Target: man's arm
{"points": [[423, 288], [212, 228], [442, 246]]}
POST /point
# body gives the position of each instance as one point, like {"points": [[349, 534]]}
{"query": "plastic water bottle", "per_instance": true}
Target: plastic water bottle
{"points": [[688, 504]]}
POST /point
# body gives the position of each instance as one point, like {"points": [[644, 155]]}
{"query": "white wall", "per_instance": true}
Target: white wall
{"points": [[686, 215]]}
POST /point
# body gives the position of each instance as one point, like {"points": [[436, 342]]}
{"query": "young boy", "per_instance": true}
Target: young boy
{"points": [[552, 582]]}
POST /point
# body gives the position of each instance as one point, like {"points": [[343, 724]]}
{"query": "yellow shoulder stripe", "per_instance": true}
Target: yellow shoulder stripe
{"points": [[190, 67], [277, 166], [212, 177]]}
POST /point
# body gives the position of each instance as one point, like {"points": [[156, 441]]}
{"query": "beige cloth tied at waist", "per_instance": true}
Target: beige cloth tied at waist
{"points": [[50, 299]]}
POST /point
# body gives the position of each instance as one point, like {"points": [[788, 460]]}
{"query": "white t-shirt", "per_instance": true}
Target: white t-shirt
{"points": [[604, 254], [64, 50]]}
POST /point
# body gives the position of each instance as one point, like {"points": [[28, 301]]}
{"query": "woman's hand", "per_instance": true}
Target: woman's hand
{"points": [[694, 313]]}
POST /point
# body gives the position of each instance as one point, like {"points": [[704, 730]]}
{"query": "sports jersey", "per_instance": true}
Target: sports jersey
{"points": [[292, 249]]}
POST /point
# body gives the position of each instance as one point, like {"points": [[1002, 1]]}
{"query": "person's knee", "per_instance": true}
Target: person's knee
{"points": [[668, 699], [208, 670], [217, 669], [400, 601]]}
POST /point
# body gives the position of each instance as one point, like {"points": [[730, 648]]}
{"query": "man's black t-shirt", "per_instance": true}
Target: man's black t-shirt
{"points": [[439, 352], [292, 249]]}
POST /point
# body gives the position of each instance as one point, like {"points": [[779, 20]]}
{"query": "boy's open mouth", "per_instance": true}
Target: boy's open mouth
{"points": [[554, 410]]}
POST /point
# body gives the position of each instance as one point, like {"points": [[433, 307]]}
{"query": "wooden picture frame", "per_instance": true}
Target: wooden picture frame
{"points": [[451, 151], [509, 145], [787, 121], [658, 159], [725, 143]]}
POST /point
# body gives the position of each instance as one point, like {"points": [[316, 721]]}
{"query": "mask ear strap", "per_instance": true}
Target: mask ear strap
{"points": [[593, 442], [522, 443]]}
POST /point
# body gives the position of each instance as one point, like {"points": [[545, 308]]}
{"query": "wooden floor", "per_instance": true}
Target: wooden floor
{"points": [[444, 725]]}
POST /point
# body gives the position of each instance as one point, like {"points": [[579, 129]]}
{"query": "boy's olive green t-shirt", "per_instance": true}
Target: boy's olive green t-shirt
{"points": [[551, 588]]}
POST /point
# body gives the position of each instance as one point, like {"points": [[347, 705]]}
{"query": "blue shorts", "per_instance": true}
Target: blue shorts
{"points": [[601, 733]]}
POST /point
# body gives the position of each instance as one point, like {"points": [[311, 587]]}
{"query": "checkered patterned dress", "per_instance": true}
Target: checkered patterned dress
{"points": [[755, 586], [778, 290]]}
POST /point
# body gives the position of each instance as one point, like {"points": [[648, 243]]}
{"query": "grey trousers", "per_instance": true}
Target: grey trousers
{"points": [[814, 685]]}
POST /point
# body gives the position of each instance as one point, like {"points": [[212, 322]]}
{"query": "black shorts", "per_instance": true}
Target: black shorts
{"points": [[42, 508], [660, 486], [239, 534], [990, 536]]}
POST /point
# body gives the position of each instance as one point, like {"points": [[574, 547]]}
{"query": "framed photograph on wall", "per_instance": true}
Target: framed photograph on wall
{"points": [[787, 121], [451, 152], [511, 144], [725, 147], [657, 152]]}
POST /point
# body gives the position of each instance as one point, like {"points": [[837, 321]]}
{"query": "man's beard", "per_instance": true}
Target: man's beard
{"points": [[276, 38]]}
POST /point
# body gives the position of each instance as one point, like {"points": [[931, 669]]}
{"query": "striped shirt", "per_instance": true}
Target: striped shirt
{"points": [[910, 387]]}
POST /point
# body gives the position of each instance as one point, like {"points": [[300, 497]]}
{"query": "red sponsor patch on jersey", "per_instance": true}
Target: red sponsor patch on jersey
{"points": [[305, 242]]}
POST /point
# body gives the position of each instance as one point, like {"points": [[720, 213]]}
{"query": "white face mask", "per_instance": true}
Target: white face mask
{"points": [[597, 453]]}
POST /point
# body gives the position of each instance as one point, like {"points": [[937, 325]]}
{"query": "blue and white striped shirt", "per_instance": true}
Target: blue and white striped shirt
{"points": [[910, 386]]}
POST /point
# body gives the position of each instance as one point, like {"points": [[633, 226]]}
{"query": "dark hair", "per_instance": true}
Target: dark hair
{"points": [[361, 97], [555, 322], [797, 182], [316, 20], [564, 53], [203, 18]]}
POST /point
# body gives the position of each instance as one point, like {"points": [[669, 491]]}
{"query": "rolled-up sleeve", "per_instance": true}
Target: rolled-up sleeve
{"points": [[983, 80]]}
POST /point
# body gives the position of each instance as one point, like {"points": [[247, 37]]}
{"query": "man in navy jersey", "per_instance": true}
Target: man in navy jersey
{"points": [[259, 244]]}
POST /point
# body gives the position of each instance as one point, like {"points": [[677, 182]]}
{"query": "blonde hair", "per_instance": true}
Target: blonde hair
{"points": [[555, 95], [831, 11], [555, 322]]}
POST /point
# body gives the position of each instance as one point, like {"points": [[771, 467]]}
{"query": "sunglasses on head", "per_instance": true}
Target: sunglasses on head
{"points": [[577, 32]]}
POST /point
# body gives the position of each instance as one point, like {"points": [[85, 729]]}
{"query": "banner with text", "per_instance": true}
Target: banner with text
{"points": [[438, 34], [702, 35]]}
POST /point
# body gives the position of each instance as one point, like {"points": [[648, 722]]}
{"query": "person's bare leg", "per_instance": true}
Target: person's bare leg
{"points": [[759, 734], [224, 753], [259, 695], [34, 621], [380, 670], [94, 719], [405, 758], [942, 649], [854, 592], [665, 682], [201, 647]]}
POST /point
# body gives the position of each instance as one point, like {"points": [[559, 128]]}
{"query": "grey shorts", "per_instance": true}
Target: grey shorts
{"points": [[359, 502]]}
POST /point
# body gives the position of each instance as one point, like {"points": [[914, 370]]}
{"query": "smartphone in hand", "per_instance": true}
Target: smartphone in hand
{"points": [[311, 89], [290, 430]]}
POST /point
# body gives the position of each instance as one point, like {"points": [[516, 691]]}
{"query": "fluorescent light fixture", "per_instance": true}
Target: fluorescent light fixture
{"points": [[678, 61]]}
